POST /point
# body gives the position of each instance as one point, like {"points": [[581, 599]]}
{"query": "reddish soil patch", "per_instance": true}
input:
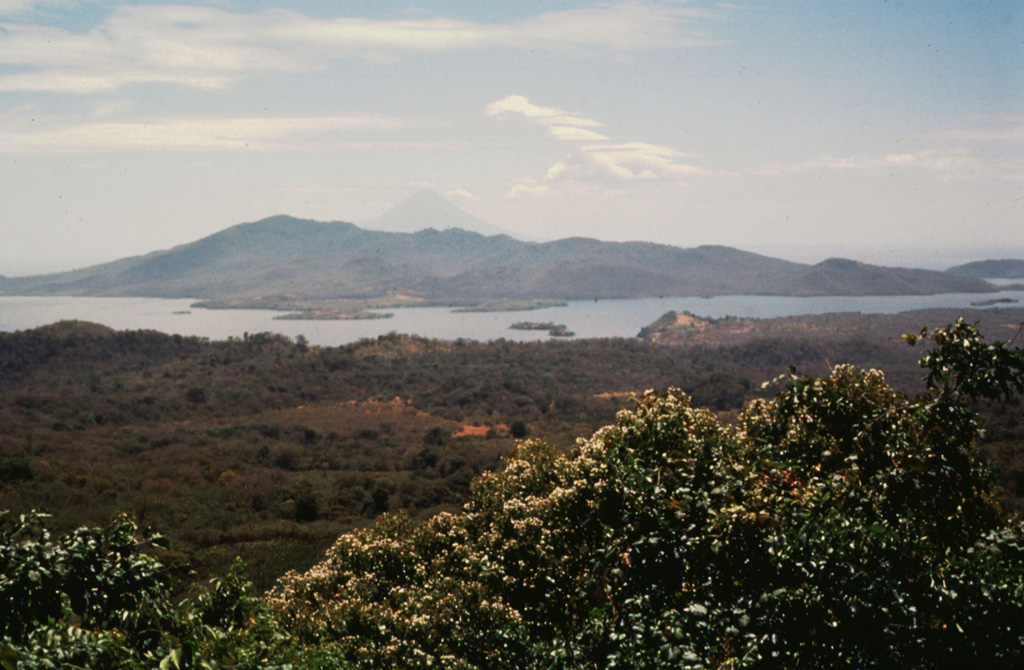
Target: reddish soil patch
{"points": [[501, 429]]}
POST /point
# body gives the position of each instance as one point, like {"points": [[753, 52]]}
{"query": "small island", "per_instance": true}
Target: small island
{"points": [[993, 301], [554, 329], [510, 306], [332, 315], [335, 310]]}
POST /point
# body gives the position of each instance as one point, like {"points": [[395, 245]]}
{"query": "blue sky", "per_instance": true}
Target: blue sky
{"points": [[886, 131]]}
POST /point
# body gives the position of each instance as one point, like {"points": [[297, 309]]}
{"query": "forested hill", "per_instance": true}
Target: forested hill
{"points": [[301, 260]]}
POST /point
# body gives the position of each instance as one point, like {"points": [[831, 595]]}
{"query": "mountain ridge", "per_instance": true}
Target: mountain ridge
{"points": [[302, 261]]}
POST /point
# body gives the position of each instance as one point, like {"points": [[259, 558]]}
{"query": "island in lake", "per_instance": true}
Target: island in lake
{"points": [[993, 301], [554, 329], [332, 315], [510, 306]]}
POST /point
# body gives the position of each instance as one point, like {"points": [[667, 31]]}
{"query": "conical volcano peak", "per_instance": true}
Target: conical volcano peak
{"points": [[426, 209]]}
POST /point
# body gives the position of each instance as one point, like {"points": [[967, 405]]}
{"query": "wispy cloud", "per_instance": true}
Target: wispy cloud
{"points": [[639, 160], [209, 48], [518, 105], [592, 156], [461, 194], [958, 163], [529, 189], [260, 133], [571, 133], [594, 159]]}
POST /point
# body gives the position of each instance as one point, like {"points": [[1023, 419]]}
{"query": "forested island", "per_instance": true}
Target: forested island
{"points": [[554, 329], [716, 522]]}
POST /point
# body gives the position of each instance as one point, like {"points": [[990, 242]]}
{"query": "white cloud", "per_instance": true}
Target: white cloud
{"points": [[639, 160], [620, 27], [209, 48], [639, 148], [900, 159], [572, 133], [193, 46], [461, 194], [556, 171], [260, 133], [529, 190], [518, 105], [621, 161]]}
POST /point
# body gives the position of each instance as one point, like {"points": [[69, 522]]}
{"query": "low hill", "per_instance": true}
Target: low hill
{"points": [[1005, 268], [839, 276], [289, 261]]}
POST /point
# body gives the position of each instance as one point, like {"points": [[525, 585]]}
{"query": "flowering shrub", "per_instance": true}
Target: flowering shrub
{"points": [[839, 524], [402, 595]]}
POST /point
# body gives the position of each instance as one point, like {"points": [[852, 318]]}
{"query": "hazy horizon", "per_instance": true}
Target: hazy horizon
{"points": [[885, 132]]}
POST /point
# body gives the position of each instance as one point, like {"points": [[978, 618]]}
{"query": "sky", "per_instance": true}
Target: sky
{"points": [[885, 131]]}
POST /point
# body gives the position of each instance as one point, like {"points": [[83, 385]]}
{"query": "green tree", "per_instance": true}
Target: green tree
{"points": [[16, 469], [518, 429], [93, 598]]}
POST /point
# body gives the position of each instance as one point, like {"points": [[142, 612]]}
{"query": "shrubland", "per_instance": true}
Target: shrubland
{"points": [[269, 449], [831, 521]]}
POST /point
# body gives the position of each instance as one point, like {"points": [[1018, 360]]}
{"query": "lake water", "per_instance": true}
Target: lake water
{"points": [[587, 318]]}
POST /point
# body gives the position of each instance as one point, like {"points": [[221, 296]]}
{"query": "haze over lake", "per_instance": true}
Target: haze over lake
{"points": [[586, 318]]}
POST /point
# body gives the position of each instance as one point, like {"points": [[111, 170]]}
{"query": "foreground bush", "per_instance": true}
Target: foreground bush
{"points": [[841, 524], [94, 598]]}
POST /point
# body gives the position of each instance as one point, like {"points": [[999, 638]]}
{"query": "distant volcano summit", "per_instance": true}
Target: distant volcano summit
{"points": [[426, 209]]}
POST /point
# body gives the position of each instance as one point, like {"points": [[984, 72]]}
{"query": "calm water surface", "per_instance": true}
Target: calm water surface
{"points": [[587, 318]]}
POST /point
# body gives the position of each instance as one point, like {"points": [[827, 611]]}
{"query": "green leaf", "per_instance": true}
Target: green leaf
{"points": [[8, 657], [172, 659], [160, 541]]}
